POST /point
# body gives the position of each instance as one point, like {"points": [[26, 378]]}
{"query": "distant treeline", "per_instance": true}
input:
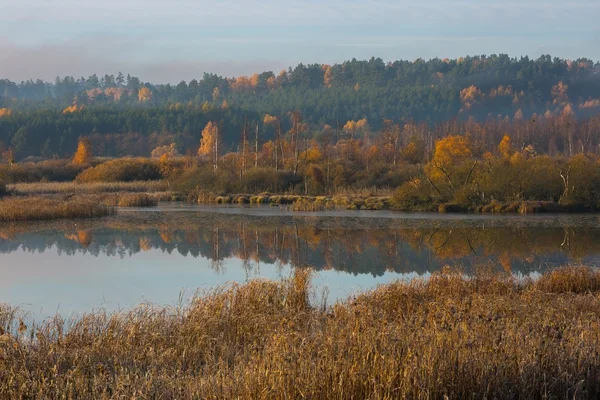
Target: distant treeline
{"points": [[128, 116]]}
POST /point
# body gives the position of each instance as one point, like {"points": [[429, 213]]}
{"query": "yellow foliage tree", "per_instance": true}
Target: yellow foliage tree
{"points": [[559, 93], [505, 148], [414, 151], [451, 155], [313, 154], [209, 144], [5, 112], [327, 75], [83, 155], [144, 94], [241, 83], [470, 96], [350, 127], [269, 119]]}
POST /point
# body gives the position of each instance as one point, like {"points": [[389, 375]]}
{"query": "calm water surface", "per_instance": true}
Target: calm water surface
{"points": [[161, 255]]}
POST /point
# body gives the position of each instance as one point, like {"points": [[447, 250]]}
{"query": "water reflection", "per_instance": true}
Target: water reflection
{"points": [[348, 244]]}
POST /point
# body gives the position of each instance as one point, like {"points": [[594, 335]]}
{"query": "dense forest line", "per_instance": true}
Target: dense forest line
{"points": [[126, 116]]}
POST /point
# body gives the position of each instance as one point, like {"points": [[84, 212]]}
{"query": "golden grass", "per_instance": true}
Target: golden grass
{"points": [[42, 209], [129, 200], [488, 336], [84, 188]]}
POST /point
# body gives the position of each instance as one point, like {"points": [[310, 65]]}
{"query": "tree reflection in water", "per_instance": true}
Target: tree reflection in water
{"points": [[354, 245]]}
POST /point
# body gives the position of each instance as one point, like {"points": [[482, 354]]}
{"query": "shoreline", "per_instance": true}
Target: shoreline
{"points": [[385, 203]]}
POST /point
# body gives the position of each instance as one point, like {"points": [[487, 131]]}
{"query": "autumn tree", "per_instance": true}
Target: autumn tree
{"points": [[209, 144], [470, 96], [83, 155], [559, 93], [391, 136], [452, 163], [414, 151], [505, 148], [270, 120], [71, 109], [144, 94], [169, 150]]}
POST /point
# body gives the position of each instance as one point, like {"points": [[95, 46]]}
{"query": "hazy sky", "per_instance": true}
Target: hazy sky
{"points": [[167, 41]]}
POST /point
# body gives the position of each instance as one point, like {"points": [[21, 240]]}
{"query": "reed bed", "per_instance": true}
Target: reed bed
{"points": [[486, 336], [14, 209], [129, 200], [41, 188]]}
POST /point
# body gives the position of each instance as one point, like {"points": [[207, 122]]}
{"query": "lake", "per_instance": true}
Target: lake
{"points": [[164, 255]]}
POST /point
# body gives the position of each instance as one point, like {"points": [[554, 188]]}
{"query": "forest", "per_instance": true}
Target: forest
{"points": [[485, 133], [123, 115]]}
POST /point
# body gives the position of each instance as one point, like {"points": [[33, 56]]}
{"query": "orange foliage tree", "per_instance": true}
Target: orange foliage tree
{"points": [[505, 148], [70, 109], [451, 162], [209, 144], [83, 155], [144, 94]]}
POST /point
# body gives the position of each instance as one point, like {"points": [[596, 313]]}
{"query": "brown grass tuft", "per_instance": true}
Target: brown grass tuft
{"points": [[571, 279]]}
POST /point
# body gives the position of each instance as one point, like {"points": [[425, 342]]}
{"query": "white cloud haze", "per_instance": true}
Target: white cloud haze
{"points": [[166, 41]]}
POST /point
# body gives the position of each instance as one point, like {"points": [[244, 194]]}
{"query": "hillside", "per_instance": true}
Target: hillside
{"points": [[125, 115]]}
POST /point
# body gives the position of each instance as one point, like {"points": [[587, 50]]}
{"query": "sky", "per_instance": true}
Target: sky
{"points": [[170, 41]]}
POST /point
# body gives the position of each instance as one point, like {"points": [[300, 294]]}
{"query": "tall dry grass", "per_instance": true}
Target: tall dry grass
{"points": [[43, 209], [41, 188], [129, 199], [489, 336]]}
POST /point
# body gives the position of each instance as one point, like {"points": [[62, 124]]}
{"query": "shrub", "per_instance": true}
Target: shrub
{"points": [[51, 171], [254, 181], [413, 195], [267, 180], [124, 170]]}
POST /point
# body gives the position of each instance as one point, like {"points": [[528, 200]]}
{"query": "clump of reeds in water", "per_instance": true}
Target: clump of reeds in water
{"points": [[131, 200], [310, 204], [450, 336], [41, 209]]}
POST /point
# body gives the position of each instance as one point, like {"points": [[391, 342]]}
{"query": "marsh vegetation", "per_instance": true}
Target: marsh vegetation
{"points": [[40, 208], [487, 335]]}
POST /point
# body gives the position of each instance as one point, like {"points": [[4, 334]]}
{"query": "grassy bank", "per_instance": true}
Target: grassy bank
{"points": [[42, 209], [490, 336], [383, 201]]}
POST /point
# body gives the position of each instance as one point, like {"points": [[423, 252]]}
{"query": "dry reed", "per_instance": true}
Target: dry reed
{"points": [[42, 209], [487, 336], [85, 188]]}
